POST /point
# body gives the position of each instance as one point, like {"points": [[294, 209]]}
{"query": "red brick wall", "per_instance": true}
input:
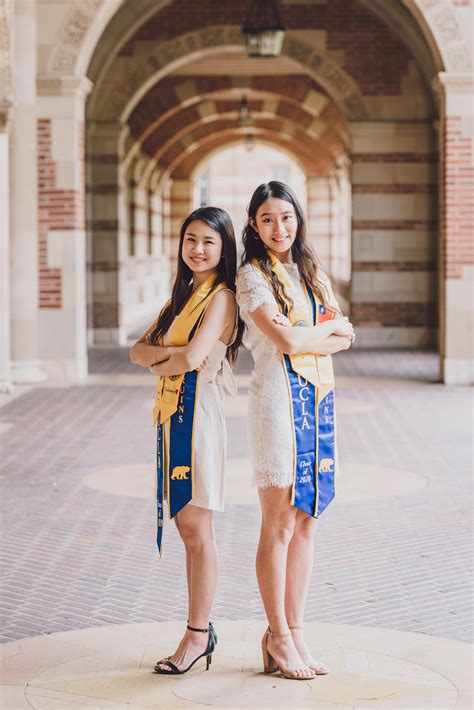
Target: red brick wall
{"points": [[458, 207], [57, 210]]}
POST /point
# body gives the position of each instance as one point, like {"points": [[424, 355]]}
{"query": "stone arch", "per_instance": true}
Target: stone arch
{"points": [[440, 27], [6, 82], [302, 146], [84, 45], [81, 34], [120, 98], [183, 127], [227, 142], [303, 104], [186, 164]]}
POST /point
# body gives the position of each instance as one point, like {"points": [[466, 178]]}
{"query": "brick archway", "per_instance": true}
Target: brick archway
{"points": [[117, 99], [93, 29], [428, 28]]}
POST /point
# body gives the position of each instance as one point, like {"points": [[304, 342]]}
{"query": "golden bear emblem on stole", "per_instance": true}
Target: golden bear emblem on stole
{"points": [[326, 465], [179, 473]]}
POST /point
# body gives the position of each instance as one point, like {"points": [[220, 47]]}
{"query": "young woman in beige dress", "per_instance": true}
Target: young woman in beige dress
{"points": [[189, 344]]}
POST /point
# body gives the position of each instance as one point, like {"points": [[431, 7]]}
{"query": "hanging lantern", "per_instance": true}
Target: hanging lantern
{"points": [[263, 29], [244, 112]]}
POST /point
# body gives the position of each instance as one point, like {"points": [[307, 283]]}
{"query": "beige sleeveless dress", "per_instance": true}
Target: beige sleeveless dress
{"points": [[210, 433]]}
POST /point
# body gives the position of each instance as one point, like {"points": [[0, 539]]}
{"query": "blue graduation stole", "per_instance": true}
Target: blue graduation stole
{"points": [[180, 459], [175, 405], [312, 414], [179, 471]]}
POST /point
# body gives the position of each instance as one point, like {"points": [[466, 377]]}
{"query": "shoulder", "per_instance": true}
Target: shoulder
{"points": [[224, 297], [223, 303], [324, 279], [253, 289], [322, 275], [249, 274]]}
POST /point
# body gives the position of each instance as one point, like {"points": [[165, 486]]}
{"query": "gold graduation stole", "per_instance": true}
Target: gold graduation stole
{"points": [[168, 386], [310, 380], [176, 397]]}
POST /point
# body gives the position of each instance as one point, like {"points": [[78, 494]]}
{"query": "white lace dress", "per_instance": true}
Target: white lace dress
{"points": [[269, 424]]}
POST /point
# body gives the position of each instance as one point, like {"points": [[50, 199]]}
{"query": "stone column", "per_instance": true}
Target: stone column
{"points": [[5, 364], [394, 234], [180, 204], [24, 202], [456, 147], [334, 219], [160, 259], [62, 236], [107, 237], [319, 221]]}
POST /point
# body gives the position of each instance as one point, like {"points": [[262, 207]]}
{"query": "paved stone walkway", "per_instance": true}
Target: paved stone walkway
{"points": [[392, 572], [392, 552]]}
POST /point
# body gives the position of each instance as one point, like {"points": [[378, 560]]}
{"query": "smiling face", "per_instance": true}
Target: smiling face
{"points": [[202, 248], [276, 224]]}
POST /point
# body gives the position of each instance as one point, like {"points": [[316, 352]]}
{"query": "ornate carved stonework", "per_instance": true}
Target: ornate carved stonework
{"points": [[458, 58], [428, 5], [74, 31], [446, 25], [64, 61], [440, 16], [331, 76], [6, 87]]}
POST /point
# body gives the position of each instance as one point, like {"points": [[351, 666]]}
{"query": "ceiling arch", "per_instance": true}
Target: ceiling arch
{"points": [[94, 31], [116, 98], [313, 114], [173, 94], [180, 164], [225, 141]]}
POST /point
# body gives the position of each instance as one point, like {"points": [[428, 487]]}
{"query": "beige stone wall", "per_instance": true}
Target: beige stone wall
{"points": [[395, 234]]}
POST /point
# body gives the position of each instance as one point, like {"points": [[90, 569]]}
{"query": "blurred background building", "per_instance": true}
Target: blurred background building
{"points": [[117, 117]]}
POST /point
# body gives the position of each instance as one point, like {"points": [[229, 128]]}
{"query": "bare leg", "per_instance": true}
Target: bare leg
{"points": [[188, 564], [196, 530], [278, 520], [298, 577]]}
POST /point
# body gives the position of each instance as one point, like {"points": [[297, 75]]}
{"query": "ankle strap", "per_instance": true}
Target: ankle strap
{"points": [[191, 628], [272, 633], [298, 628]]}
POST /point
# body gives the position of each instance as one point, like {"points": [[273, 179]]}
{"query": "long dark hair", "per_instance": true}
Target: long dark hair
{"points": [[220, 221], [302, 253]]}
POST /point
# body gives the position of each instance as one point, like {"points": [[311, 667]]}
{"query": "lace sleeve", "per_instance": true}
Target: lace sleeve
{"points": [[253, 290]]}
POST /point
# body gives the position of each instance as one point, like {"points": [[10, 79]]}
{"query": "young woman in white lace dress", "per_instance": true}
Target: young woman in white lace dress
{"points": [[274, 239]]}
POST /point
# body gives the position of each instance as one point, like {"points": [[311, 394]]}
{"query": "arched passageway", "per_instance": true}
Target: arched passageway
{"points": [[229, 175], [362, 99], [353, 126]]}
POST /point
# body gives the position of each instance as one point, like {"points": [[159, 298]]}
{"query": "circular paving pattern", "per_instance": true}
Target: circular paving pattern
{"points": [[358, 481], [237, 406], [113, 667]]}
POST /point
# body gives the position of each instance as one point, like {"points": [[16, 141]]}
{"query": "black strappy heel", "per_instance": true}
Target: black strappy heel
{"points": [[211, 644]]}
